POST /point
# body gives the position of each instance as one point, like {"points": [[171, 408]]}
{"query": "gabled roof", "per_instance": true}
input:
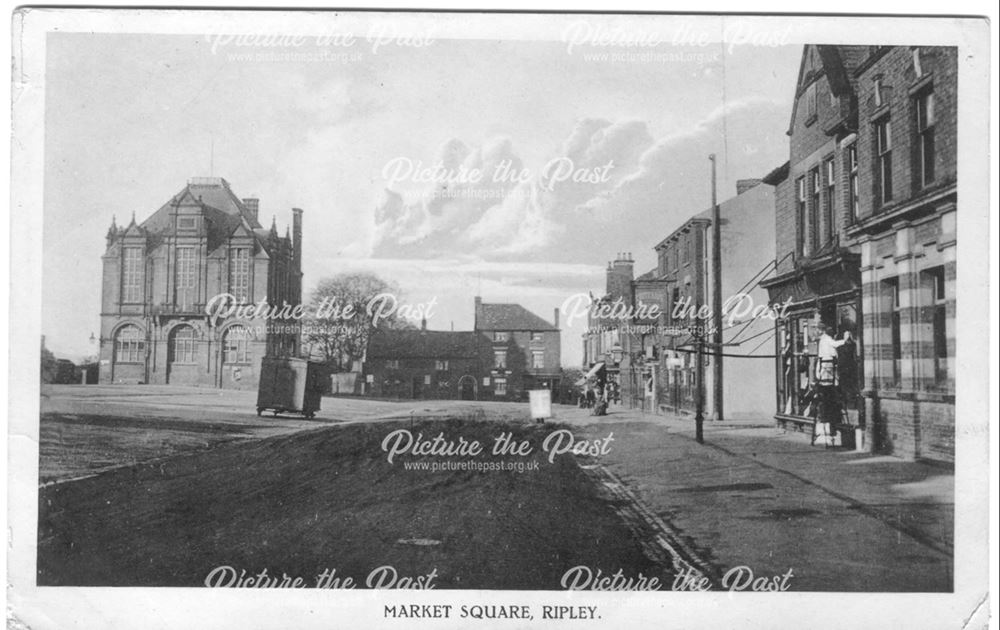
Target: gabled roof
{"points": [[509, 317], [837, 62], [424, 344], [223, 211]]}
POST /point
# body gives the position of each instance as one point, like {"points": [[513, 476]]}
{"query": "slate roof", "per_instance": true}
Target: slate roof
{"points": [[222, 209], [649, 275], [510, 317], [422, 344]]}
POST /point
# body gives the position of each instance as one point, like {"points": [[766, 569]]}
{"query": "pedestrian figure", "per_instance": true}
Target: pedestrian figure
{"points": [[826, 400]]}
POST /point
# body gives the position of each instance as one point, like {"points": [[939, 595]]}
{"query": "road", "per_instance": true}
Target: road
{"points": [[201, 463]]}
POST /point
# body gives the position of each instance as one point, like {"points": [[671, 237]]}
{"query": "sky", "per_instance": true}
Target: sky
{"points": [[510, 168]]}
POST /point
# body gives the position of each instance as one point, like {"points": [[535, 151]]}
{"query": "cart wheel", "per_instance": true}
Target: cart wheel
{"points": [[260, 410]]}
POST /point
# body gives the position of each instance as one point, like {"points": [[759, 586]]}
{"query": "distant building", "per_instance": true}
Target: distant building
{"points": [[653, 359], [865, 236], [160, 274], [525, 348], [510, 351], [424, 364]]}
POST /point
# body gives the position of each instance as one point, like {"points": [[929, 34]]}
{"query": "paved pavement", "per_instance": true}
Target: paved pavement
{"points": [[753, 496]]}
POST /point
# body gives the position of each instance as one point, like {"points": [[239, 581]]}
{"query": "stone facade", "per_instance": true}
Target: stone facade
{"points": [[204, 248]]}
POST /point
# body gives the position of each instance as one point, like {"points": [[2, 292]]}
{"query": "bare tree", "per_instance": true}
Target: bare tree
{"points": [[338, 325]]}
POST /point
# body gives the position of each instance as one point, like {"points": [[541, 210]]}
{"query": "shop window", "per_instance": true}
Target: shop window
{"points": [[924, 162]]}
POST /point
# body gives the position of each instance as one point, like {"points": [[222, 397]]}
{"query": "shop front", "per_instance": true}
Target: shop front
{"points": [[822, 300]]}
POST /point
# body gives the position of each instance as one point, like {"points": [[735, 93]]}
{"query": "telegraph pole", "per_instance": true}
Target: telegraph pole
{"points": [[699, 384], [716, 298]]}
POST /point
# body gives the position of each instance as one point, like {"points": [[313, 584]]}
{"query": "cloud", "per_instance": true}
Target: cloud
{"points": [[609, 186], [509, 210]]}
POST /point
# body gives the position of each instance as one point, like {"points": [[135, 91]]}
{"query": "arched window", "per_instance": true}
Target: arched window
{"points": [[130, 345], [183, 341], [236, 343]]}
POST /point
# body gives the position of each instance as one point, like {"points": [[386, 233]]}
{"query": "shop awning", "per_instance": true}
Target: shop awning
{"points": [[594, 370]]}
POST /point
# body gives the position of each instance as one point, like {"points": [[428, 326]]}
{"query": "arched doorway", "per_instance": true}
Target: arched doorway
{"points": [[467, 388], [128, 363], [182, 346]]}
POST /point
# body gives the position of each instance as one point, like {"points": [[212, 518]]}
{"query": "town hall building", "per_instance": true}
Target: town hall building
{"points": [[204, 243]]}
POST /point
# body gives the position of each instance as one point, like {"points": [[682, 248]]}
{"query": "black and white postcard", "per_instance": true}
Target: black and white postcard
{"points": [[498, 320]]}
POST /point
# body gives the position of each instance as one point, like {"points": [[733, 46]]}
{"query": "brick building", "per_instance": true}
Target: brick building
{"points": [[159, 276], [509, 352], [425, 364], [658, 363], [864, 225], [605, 339], [905, 230], [525, 349]]}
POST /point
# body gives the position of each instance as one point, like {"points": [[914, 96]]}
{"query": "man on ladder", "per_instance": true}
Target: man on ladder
{"points": [[829, 407]]}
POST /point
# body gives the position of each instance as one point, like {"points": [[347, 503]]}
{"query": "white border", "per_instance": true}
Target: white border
{"points": [[170, 608]]}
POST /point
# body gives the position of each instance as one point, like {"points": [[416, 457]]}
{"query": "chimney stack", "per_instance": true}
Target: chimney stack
{"points": [[297, 238], [743, 185], [620, 276], [555, 321], [253, 205]]}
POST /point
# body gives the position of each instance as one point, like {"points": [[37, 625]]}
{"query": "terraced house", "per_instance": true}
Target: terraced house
{"points": [[160, 274], [865, 242]]}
